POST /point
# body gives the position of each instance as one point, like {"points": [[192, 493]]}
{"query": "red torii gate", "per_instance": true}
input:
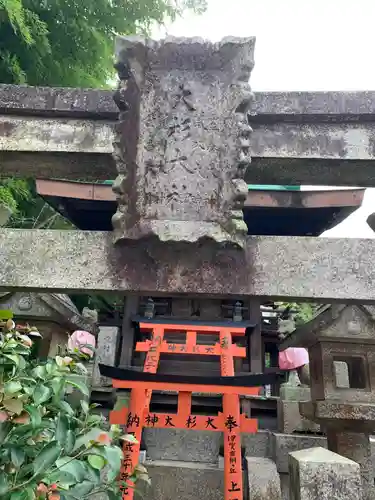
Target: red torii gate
{"points": [[231, 422]]}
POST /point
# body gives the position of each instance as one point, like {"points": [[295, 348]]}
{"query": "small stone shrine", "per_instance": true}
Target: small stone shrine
{"points": [[344, 334], [53, 314]]}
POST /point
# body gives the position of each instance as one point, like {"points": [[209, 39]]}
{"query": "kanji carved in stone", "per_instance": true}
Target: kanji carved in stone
{"points": [[183, 139]]}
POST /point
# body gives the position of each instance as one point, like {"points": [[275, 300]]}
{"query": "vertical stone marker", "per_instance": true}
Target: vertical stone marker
{"points": [[105, 354], [320, 474], [182, 142]]}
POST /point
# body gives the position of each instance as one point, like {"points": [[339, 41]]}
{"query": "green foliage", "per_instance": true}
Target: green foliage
{"points": [[12, 191], [47, 448], [300, 314], [29, 211], [70, 42]]}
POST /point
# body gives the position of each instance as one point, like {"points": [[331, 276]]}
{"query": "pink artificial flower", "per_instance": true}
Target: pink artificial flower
{"points": [[3, 416], [104, 438], [293, 357], [80, 340]]}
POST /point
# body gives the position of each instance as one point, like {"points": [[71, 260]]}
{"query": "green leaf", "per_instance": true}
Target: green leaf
{"points": [[40, 372], [62, 427], [50, 368], [13, 357], [57, 385], [6, 314], [35, 416], [21, 363], [96, 461], [3, 483], [62, 477], [85, 407], [28, 390], [47, 457], [42, 394], [73, 467], [129, 438], [91, 474], [70, 442], [4, 431], [64, 406], [84, 440], [79, 384], [114, 457], [13, 405], [27, 493], [82, 489], [12, 387], [17, 456], [112, 495]]}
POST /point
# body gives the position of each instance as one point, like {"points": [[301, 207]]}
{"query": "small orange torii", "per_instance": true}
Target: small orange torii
{"points": [[231, 422]]}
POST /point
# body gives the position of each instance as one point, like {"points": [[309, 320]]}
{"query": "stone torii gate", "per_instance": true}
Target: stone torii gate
{"points": [[182, 149]]}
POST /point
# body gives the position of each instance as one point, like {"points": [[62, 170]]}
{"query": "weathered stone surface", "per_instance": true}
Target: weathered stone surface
{"points": [[289, 418], [341, 374], [326, 125], [355, 446], [290, 392], [355, 416], [59, 165], [182, 143], [55, 101], [257, 444], [299, 140], [317, 473], [344, 106], [107, 343], [263, 479], [182, 445], [320, 268], [180, 481], [184, 481], [320, 106], [283, 444], [50, 135]]}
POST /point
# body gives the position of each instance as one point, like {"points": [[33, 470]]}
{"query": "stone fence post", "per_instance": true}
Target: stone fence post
{"points": [[320, 474]]}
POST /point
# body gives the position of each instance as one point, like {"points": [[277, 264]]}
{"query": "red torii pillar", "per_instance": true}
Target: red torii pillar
{"points": [[231, 422]]}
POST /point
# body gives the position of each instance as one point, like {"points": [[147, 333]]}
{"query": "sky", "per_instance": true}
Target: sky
{"points": [[300, 45]]}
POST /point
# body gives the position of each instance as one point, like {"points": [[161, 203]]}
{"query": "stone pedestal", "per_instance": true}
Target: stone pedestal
{"points": [[357, 447], [348, 427], [263, 479], [319, 474], [289, 418]]}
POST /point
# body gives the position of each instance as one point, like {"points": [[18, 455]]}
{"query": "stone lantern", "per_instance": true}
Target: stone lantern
{"points": [[342, 335]]}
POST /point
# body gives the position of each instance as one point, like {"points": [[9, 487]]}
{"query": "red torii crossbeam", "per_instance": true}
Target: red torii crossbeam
{"points": [[231, 422]]}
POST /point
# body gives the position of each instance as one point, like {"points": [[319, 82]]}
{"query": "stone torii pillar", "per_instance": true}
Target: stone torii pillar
{"points": [[182, 142]]}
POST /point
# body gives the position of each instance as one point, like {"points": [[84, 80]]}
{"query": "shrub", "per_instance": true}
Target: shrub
{"points": [[48, 450]]}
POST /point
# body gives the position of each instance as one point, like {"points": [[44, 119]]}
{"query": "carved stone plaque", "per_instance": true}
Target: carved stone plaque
{"points": [[182, 141]]}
